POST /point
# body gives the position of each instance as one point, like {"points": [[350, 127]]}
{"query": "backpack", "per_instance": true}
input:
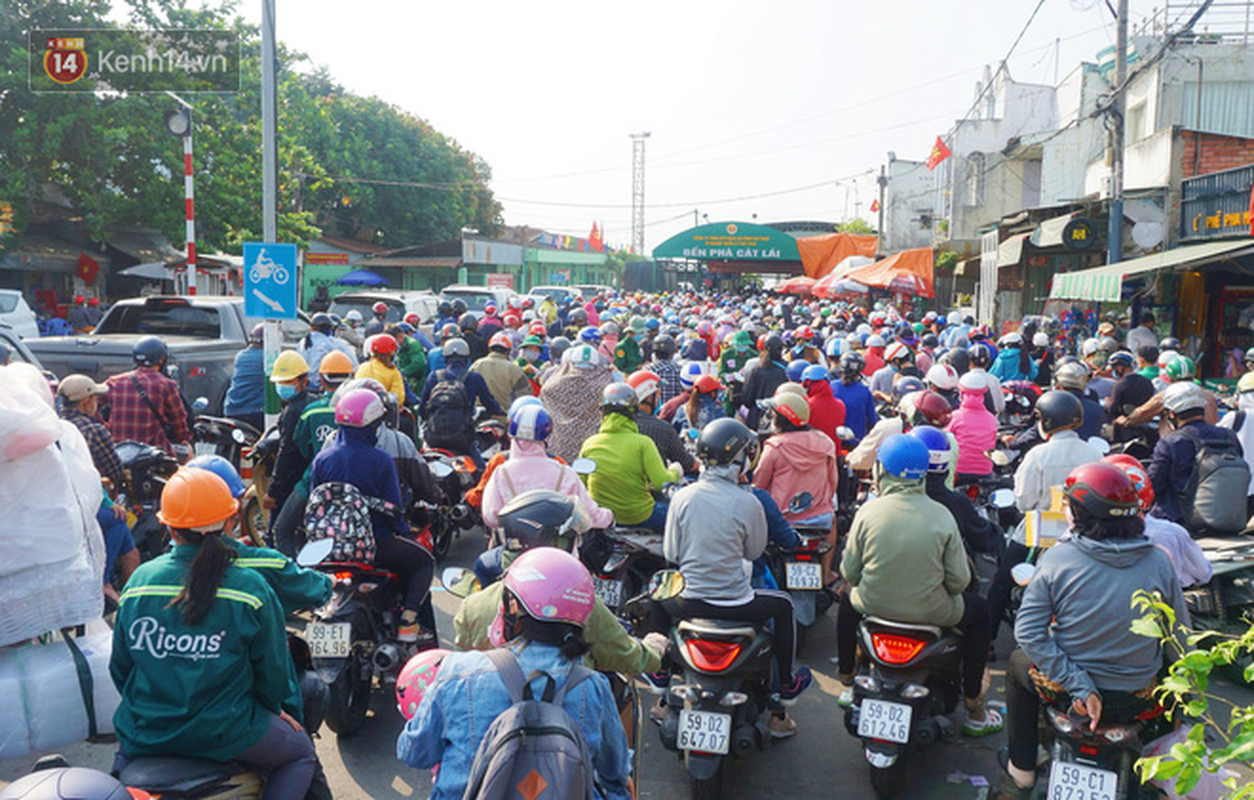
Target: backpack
{"points": [[449, 413], [1220, 479], [534, 744], [341, 512]]}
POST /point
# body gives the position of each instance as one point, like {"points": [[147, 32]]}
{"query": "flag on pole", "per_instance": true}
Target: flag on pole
{"points": [[939, 153], [88, 268], [594, 239], [875, 206]]}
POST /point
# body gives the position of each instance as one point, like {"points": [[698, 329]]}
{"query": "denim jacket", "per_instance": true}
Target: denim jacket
{"points": [[467, 697]]}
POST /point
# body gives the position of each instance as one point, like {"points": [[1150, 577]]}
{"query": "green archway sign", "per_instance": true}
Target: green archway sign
{"points": [[730, 241]]}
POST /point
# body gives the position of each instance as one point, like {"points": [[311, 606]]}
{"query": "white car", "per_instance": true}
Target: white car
{"points": [[17, 314], [477, 298], [538, 293]]}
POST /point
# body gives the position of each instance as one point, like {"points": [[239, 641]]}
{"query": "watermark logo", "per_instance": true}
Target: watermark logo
{"points": [[136, 61]]}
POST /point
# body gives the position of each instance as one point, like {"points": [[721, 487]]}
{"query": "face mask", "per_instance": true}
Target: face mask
{"points": [[531, 355], [742, 348], [639, 337], [286, 391]]}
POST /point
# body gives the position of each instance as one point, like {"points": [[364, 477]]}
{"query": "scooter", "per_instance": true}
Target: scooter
{"points": [[456, 476], [224, 437], [719, 690], [145, 469], [800, 573], [1096, 765], [262, 454], [166, 777], [906, 687]]}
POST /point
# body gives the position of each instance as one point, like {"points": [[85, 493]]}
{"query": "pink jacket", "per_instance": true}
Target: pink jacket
{"points": [[975, 428], [796, 462], [529, 467]]}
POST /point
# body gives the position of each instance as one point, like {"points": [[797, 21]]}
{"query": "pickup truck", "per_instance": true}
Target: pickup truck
{"points": [[202, 333]]}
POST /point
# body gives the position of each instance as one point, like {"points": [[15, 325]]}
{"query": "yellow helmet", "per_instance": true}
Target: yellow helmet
{"points": [[288, 367]]}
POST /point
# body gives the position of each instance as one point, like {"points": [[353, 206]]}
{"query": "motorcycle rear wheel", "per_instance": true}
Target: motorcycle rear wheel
{"points": [[889, 781], [349, 699], [253, 523], [710, 788], [441, 537]]}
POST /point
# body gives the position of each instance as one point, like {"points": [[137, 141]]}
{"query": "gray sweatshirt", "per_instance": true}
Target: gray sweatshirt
{"points": [[1085, 587], [712, 528]]}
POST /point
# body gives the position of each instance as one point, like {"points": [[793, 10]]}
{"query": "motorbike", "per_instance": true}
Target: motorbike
{"points": [[456, 475], [491, 437], [1096, 764], [635, 555], [145, 469], [1224, 602], [221, 436], [352, 640], [906, 687], [800, 573], [262, 454], [719, 690]]}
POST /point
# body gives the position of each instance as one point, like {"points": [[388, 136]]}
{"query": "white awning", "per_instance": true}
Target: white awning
{"points": [[1049, 232], [1105, 284], [1010, 251]]}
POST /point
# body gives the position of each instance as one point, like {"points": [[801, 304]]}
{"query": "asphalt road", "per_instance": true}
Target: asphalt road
{"points": [[822, 760]]}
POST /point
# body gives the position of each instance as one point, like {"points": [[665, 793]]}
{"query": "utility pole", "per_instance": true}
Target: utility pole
{"points": [[882, 180], [269, 185], [1118, 105], [637, 191]]}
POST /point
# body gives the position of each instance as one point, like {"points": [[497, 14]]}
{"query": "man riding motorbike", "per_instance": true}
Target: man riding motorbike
{"points": [[145, 404]]}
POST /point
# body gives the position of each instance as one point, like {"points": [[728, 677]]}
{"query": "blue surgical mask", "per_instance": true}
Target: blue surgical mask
{"points": [[286, 391]]}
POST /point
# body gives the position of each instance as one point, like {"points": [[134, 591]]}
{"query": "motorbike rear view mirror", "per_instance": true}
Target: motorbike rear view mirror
{"points": [[1002, 498], [314, 553], [844, 433], [1100, 445], [999, 457], [440, 470], [583, 466], [1022, 573], [199, 405], [665, 585], [460, 582]]}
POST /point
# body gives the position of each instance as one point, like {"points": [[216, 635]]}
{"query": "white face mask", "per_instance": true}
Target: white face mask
{"points": [[531, 354]]}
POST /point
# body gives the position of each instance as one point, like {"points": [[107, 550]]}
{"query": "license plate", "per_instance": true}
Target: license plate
{"points": [[802, 575], [1077, 782], [332, 640], [610, 591], [704, 731], [890, 722]]}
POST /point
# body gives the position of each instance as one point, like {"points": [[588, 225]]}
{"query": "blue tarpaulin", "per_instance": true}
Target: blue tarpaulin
{"points": [[361, 277]]}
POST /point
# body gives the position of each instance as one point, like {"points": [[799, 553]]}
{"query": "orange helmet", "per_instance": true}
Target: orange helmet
{"points": [[196, 499], [707, 384], [335, 363]]}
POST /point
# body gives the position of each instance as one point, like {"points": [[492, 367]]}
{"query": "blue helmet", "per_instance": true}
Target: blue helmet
{"points": [[689, 373], [795, 369], [814, 372], [530, 423], [904, 457], [222, 468], [653, 323], [527, 400], [907, 384], [937, 444], [590, 335]]}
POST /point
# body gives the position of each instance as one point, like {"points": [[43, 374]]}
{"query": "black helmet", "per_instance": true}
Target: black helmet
{"points": [[1170, 343], [149, 352], [664, 346], [557, 347], [468, 322], [959, 358], [444, 309], [578, 317], [852, 363], [930, 340], [1059, 411], [459, 308], [774, 346], [724, 441], [981, 355], [320, 322], [968, 320], [619, 398], [538, 518], [839, 324]]}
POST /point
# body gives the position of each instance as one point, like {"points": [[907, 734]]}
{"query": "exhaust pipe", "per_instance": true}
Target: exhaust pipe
{"points": [[744, 741], [386, 657]]}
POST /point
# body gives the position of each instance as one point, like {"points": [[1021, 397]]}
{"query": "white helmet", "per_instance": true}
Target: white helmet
{"points": [[584, 356], [973, 382], [1040, 339], [1012, 339], [895, 351], [1089, 347], [875, 340], [1072, 375], [942, 376], [353, 316], [1183, 396], [954, 318]]}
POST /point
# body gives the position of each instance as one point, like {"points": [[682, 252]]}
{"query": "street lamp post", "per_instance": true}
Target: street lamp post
{"points": [[179, 123]]}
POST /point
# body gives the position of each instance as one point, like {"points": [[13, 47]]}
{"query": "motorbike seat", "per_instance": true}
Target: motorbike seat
{"points": [[721, 627], [174, 773], [935, 631]]}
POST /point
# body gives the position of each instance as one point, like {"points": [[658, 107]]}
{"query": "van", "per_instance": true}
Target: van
{"points": [[17, 314]]}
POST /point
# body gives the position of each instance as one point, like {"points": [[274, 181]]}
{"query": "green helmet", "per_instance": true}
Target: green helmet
{"points": [[742, 339], [1181, 368], [532, 341], [637, 325]]}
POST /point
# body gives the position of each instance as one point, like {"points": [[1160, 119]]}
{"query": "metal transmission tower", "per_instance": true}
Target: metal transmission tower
{"points": [[637, 192]]}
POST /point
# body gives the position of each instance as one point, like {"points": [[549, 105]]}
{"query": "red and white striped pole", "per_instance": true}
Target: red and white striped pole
{"points": [[189, 195]]}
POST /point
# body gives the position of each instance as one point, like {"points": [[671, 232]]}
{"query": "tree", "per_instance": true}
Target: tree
{"points": [[857, 225]]}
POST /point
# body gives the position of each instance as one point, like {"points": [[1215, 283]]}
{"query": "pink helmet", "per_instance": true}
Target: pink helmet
{"points": [[359, 408], [415, 678], [551, 585]]}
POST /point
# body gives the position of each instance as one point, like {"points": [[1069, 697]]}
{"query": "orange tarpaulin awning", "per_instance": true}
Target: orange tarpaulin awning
{"points": [[820, 254], [798, 285], [910, 272]]}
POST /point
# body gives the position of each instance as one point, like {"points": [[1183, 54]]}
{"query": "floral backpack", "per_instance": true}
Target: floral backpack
{"points": [[339, 511]]}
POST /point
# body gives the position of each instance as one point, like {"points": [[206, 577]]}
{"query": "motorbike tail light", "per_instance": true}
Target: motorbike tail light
{"points": [[343, 577], [973, 492], [712, 655], [246, 473], [894, 649], [1088, 750]]}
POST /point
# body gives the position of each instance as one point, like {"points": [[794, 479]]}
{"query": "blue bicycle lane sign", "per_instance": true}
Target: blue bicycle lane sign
{"points": [[270, 278]]}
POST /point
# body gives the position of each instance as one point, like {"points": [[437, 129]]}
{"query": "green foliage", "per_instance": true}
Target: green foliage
{"points": [[856, 225], [1183, 692], [946, 261], [112, 160]]}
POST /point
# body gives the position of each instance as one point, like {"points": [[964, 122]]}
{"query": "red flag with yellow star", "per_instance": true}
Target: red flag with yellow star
{"points": [[939, 153]]}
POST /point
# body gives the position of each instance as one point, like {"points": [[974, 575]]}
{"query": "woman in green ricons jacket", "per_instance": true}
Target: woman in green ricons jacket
{"points": [[200, 650]]}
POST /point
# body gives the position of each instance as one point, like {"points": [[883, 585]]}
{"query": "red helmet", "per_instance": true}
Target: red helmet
{"points": [[537, 329], [805, 332], [512, 320], [1103, 490], [645, 382], [706, 384], [412, 318], [1135, 471], [489, 309], [501, 340], [932, 407], [380, 307], [382, 344]]}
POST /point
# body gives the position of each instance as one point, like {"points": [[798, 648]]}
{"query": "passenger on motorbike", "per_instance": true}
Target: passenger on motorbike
{"points": [[543, 623], [411, 357], [379, 364], [1174, 461], [229, 695], [628, 463], [321, 341], [897, 361], [915, 406], [354, 458], [1132, 390], [1240, 423], [245, 395], [974, 427], [669, 446], [1074, 627], [904, 560], [1014, 360], [860, 414], [504, 378], [761, 383], [713, 528], [979, 535], [705, 404], [980, 356], [826, 412]]}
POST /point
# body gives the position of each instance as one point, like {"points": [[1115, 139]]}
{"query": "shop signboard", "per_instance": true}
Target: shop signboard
{"points": [[501, 279], [1216, 205], [730, 241]]}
